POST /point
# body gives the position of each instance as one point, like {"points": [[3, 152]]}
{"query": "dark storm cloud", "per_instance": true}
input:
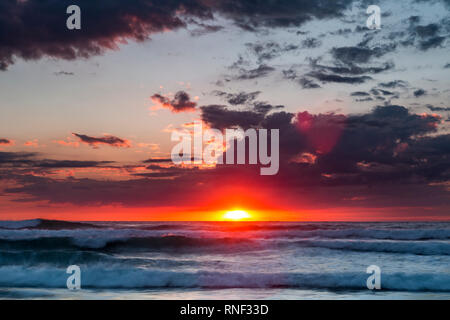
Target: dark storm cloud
{"points": [[311, 43], [156, 174], [350, 65], [385, 92], [419, 93], [106, 140], [264, 107], [204, 28], [352, 69], [378, 91], [380, 137], [364, 99], [238, 98], [324, 77], [30, 159], [386, 156], [359, 94], [269, 50], [352, 55], [341, 32], [158, 160], [433, 108], [431, 43], [394, 84], [8, 158], [427, 31], [180, 103], [5, 141], [259, 72], [33, 29], [423, 37], [251, 15], [69, 164], [220, 117], [306, 83]]}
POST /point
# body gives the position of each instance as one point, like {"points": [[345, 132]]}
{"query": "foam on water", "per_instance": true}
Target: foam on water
{"points": [[414, 257]]}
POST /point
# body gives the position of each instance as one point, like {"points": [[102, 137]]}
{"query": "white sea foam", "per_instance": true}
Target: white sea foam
{"points": [[103, 277]]}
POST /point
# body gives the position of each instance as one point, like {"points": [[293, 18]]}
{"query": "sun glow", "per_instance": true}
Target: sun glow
{"points": [[236, 215]]}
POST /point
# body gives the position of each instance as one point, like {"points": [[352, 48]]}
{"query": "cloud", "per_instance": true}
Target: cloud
{"points": [[157, 160], [272, 14], [352, 55], [32, 160], [359, 94], [310, 43], [374, 94], [387, 157], [220, 117], [423, 37], [306, 83], [419, 93], [5, 142], [364, 99], [427, 31], [394, 84], [352, 69], [180, 103], [106, 140], [349, 65], [259, 72], [103, 26], [431, 43], [63, 73], [264, 107], [325, 77], [32, 143], [433, 108], [269, 50], [204, 28], [240, 98], [377, 91]]}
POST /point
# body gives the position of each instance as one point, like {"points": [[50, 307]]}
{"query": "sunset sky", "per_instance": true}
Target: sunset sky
{"points": [[87, 115]]}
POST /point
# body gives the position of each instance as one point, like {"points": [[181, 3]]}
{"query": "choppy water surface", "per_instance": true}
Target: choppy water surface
{"points": [[224, 260]]}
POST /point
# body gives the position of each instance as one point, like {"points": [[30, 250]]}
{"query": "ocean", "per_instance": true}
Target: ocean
{"points": [[224, 260]]}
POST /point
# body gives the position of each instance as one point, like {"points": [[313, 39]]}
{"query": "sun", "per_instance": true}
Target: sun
{"points": [[236, 215]]}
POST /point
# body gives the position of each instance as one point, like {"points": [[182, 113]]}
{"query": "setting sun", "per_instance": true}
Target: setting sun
{"points": [[236, 215]]}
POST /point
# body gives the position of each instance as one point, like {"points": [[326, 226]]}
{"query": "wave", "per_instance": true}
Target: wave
{"points": [[45, 224], [61, 258], [20, 224], [268, 230], [116, 278], [161, 243], [173, 243], [385, 234], [406, 247]]}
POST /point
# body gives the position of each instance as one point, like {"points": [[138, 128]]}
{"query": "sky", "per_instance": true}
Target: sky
{"points": [[87, 115]]}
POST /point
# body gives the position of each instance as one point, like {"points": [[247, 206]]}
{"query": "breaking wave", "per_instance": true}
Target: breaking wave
{"points": [[100, 277]]}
